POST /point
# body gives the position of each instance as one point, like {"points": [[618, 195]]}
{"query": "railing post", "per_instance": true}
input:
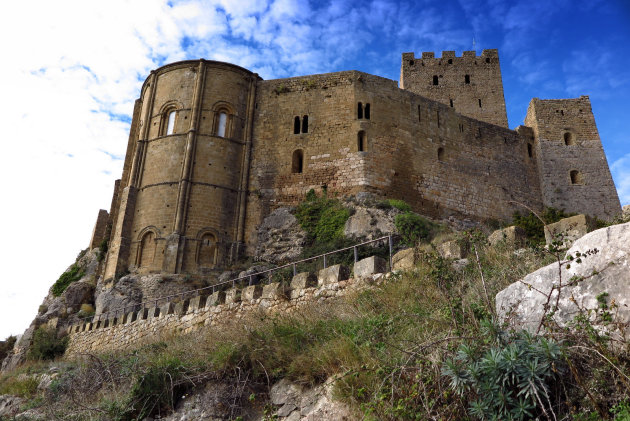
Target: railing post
{"points": [[250, 280], [294, 270], [324, 260], [391, 246], [355, 254]]}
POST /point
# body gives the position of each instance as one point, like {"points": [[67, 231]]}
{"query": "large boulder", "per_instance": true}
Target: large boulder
{"points": [[607, 271], [370, 223], [570, 229], [280, 237], [512, 237]]}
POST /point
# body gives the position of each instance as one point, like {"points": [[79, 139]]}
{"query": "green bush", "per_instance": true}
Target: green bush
{"points": [[322, 218], [46, 344], [71, 275], [510, 379], [534, 227], [6, 346], [399, 204], [412, 228]]}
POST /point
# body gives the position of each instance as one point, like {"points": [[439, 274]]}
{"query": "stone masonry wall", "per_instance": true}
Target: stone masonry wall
{"points": [[470, 84], [567, 141], [127, 331]]}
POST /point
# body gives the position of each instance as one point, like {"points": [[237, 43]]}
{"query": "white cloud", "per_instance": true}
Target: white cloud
{"points": [[620, 170]]}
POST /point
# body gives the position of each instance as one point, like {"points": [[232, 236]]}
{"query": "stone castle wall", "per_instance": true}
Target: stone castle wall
{"points": [[470, 84], [124, 331], [213, 149], [574, 173]]}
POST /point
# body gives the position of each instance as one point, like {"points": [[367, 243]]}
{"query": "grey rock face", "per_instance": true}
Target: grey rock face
{"points": [[607, 271], [370, 223], [280, 237], [125, 292]]}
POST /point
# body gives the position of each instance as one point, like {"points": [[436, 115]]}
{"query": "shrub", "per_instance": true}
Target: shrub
{"points": [[412, 228], [46, 344], [71, 275], [6, 346], [24, 387], [534, 227], [322, 218], [399, 204], [508, 380]]}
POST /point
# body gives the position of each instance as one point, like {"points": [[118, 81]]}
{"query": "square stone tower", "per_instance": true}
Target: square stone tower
{"points": [[470, 84]]}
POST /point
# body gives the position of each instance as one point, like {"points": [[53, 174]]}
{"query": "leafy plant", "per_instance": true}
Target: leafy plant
{"points": [[534, 227], [399, 204], [510, 379], [412, 228], [322, 218], [46, 344], [71, 275]]}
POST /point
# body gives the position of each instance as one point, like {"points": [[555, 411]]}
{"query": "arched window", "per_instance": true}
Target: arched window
{"points": [[361, 141], [147, 249], [222, 126], [305, 124], [296, 125], [207, 253], [435, 80], [367, 111], [360, 111], [440, 154], [576, 177], [170, 127], [568, 139], [297, 161]]}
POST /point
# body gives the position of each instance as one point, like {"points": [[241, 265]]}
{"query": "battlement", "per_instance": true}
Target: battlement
{"points": [[471, 84], [449, 54]]}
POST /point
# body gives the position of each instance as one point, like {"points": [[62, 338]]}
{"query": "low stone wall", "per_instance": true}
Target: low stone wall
{"points": [[148, 325]]}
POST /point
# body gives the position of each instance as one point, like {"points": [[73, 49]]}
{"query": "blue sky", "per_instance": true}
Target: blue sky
{"points": [[73, 69]]}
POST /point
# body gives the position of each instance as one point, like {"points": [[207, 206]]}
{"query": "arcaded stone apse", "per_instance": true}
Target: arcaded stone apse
{"points": [[213, 149]]}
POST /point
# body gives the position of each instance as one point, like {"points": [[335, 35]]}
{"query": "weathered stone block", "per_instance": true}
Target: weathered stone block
{"points": [[197, 303], [153, 312], [167, 309], [452, 249], [182, 307], [304, 280], [405, 259], [233, 295], [274, 291], [570, 229], [251, 292], [513, 237], [132, 316], [369, 266], [333, 274], [215, 299]]}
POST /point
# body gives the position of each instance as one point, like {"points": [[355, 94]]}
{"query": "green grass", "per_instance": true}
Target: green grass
{"points": [[71, 275]]}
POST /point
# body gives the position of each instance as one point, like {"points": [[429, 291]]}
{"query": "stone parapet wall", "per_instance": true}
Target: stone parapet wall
{"points": [[125, 331]]}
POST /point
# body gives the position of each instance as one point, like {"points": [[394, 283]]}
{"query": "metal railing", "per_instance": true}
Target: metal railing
{"points": [[251, 278]]}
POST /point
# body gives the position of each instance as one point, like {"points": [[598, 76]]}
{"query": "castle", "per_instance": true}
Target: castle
{"points": [[213, 149]]}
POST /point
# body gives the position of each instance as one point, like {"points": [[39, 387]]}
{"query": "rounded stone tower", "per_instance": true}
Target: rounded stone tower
{"points": [[181, 201]]}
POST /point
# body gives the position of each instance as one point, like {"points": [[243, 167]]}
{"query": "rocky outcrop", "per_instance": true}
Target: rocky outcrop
{"points": [[280, 237], [602, 278], [369, 223], [512, 237], [569, 229], [295, 402]]}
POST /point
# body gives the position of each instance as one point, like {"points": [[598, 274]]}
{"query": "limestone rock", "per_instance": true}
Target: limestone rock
{"points": [[333, 274], [125, 292], [405, 259], [513, 237], [304, 280], [607, 271], [625, 213], [370, 223], [280, 237], [369, 266], [452, 249], [9, 406], [251, 271], [78, 293], [571, 228]]}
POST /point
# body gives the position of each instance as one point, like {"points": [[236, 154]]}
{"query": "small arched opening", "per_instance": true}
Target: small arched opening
{"points": [[440, 154], [367, 111], [147, 249], [530, 150], [435, 80], [297, 161], [360, 111], [568, 139], [576, 177], [207, 253], [467, 79], [361, 141], [305, 124], [296, 125], [222, 124]]}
